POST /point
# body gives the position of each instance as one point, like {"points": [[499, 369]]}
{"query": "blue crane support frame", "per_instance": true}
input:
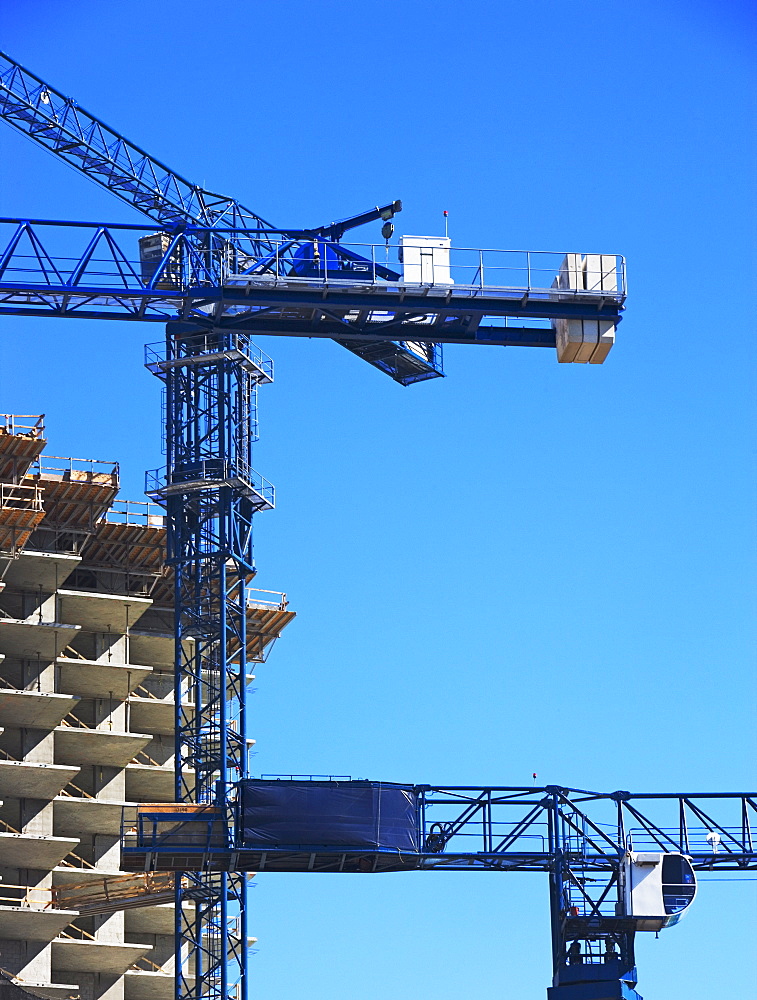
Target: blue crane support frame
{"points": [[90, 146], [579, 838], [210, 493]]}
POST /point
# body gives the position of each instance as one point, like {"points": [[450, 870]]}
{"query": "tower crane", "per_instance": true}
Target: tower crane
{"points": [[214, 274]]}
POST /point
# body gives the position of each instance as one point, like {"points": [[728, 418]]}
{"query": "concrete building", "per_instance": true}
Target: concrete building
{"points": [[87, 717]]}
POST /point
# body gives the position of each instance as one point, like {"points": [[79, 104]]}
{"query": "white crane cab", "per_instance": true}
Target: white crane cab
{"points": [[658, 888]]}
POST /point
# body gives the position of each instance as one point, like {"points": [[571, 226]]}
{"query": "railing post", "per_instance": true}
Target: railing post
{"points": [[277, 260], [528, 270], [373, 262], [481, 268]]}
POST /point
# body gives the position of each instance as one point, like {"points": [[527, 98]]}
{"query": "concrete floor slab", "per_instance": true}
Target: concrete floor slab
{"points": [[34, 709], [19, 850], [22, 779], [50, 991], [101, 612], [73, 955], [153, 919], [156, 716], [97, 746], [145, 783], [27, 640], [40, 570], [94, 679], [155, 648], [63, 875], [20, 923], [73, 815], [149, 985]]}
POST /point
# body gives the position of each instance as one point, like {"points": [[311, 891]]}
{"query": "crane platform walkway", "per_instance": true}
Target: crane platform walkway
{"points": [[356, 294]]}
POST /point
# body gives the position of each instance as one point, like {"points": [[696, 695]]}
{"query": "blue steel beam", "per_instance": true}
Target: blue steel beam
{"points": [[89, 271], [57, 123]]}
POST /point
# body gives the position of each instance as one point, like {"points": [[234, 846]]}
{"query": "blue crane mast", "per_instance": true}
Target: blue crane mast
{"points": [[216, 274]]}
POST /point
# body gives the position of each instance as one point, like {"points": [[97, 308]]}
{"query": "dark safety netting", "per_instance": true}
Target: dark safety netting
{"points": [[328, 815]]}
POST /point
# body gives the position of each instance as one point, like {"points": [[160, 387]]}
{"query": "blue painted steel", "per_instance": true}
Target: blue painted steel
{"points": [[60, 125], [210, 493], [90, 271], [578, 838]]}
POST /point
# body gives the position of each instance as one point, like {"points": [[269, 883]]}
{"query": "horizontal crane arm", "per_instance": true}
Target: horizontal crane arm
{"points": [[57, 123], [96, 272]]}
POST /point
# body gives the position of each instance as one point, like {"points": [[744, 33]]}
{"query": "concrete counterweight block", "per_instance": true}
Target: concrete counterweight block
{"points": [[583, 341]]}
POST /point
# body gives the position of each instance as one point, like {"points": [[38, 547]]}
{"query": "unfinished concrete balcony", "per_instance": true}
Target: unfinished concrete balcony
{"points": [[49, 991], [78, 743], [105, 613], [33, 709], [98, 678], [75, 950], [27, 914], [34, 571], [146, 984], [84, 814], [156, 715], [28, 779], [157, 648], [158, 919], [35, 640], [18, 849], [145, 782]]}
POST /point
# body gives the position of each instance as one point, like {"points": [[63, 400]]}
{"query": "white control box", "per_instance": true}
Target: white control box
{"points": [[425, 260]]}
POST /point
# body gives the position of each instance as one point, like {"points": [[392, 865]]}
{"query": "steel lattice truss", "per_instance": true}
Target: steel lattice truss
{"points": [[520, 829], [58, 124], [210, 493]]}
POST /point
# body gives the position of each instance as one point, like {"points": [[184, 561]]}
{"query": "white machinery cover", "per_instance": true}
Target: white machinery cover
{"points": [[425, 260]]}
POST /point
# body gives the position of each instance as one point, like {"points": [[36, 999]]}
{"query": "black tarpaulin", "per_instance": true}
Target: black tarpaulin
{"points": [[362, 815]]}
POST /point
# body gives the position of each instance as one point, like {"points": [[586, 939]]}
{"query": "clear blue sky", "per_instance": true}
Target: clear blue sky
{"points": [[525, 566]]}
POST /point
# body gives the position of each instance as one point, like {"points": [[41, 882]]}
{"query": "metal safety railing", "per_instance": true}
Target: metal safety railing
{"points": [[174, 826], [136, 512], [277, 601], [28, 424], [201, 347], [39, 254], [464, 268], [82, 469], [208, 473], [21, 496]]}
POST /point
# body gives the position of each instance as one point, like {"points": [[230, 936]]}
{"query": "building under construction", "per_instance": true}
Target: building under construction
{"points": [[87, 709]]}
